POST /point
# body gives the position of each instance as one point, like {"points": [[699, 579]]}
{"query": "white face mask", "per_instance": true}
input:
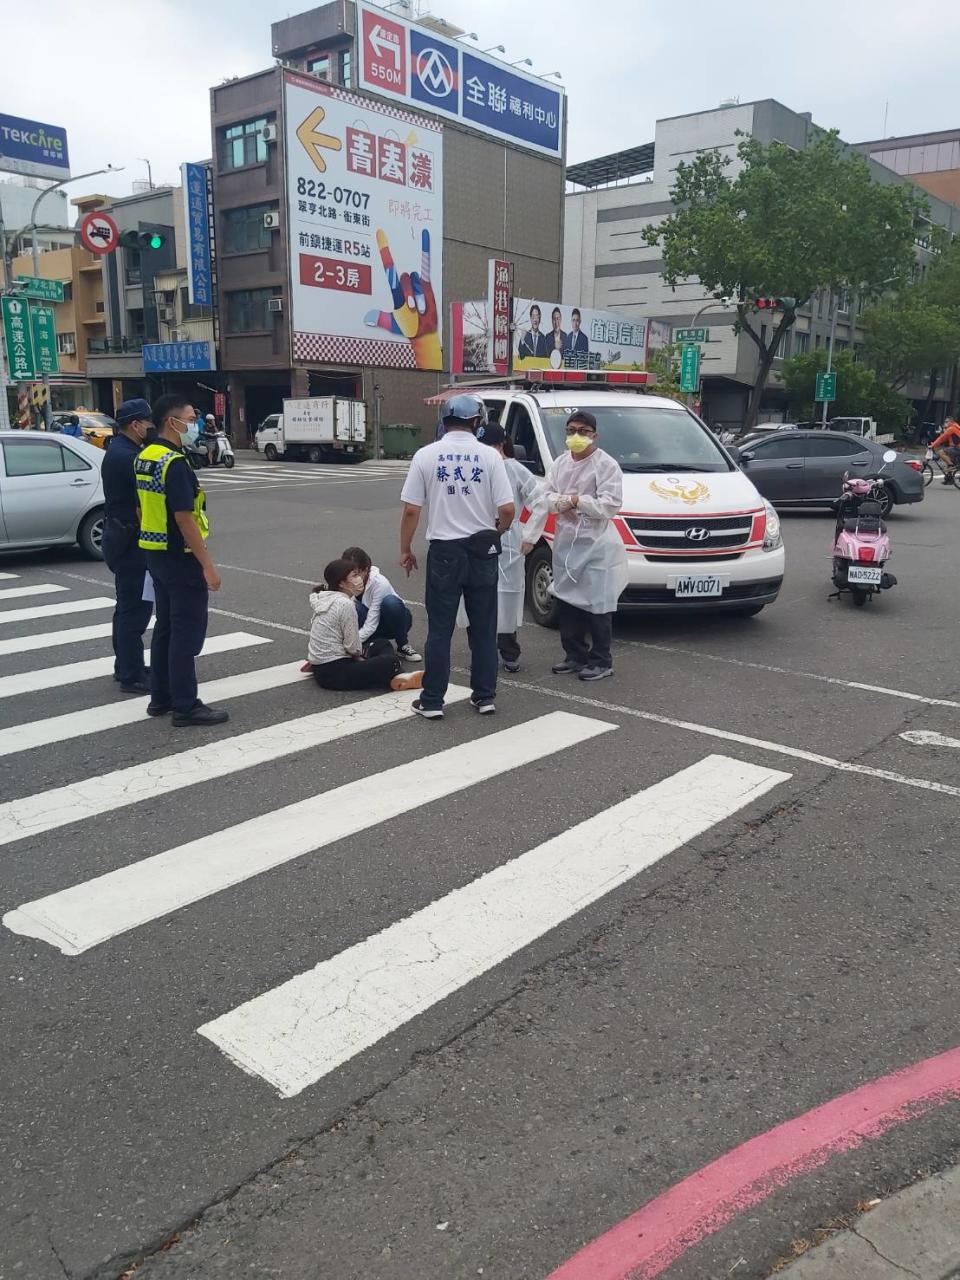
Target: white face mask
{"points": [[355, 583]]}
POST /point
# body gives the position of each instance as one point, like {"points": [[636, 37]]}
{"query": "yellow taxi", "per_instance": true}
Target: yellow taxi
{"points": [[97, 428]]}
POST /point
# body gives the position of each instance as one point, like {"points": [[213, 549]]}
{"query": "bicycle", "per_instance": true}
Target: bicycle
{"points": [[933, 463]]}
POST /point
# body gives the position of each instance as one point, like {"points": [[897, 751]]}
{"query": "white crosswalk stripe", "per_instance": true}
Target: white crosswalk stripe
{"points": [[315, 1019], [39, 589], [76, 672], [9, 575], [297, 1033], [55, 610], [281, 475]]}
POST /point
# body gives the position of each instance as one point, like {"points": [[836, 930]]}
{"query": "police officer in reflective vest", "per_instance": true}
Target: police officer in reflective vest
{"points": [[173, 533]]}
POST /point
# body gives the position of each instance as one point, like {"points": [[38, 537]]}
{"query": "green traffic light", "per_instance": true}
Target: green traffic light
{"points": [[155, 241]]}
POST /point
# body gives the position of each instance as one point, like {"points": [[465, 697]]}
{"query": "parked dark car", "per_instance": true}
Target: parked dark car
{"points": [[806, 468]]}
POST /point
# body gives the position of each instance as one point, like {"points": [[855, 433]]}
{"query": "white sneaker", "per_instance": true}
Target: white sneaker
{"points": [[408, 653]]}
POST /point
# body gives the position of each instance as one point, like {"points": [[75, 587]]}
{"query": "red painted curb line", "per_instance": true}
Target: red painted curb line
{"points": [[643, 1245]]}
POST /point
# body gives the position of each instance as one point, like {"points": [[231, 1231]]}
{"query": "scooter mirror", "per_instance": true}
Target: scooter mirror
{"points": [[890, 456]]}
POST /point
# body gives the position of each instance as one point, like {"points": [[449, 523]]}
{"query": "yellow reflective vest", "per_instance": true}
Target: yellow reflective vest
{"points": [[150, 469]]}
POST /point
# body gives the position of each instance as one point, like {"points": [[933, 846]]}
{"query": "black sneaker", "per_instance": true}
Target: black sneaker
{"points": [[483, 706], [596, 673], [201, 714], [428, 713], [511, 665], [135, 686], [567, 668], [158, 708]]}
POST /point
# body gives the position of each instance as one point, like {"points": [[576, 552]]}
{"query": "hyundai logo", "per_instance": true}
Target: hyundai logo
{"points": [[696, 534], [435, 73]]}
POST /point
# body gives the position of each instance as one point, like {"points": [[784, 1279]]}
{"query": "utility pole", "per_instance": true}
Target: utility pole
{"points": [[833, 333], [145, 161]]}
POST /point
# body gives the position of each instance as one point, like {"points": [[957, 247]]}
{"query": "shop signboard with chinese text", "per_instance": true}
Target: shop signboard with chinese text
{"points": [[18, 337], [365, 205], [499, 297], [34, 149], [178, 357], [44, 340], [399, 59], [196, 216]]}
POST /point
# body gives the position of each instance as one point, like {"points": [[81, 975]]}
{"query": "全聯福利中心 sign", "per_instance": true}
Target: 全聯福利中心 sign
{"points": [[40, 288], [196, 216], [33, 149], [178, 357], [827, 385], [18, 337], [401, 59], [365, 208]]}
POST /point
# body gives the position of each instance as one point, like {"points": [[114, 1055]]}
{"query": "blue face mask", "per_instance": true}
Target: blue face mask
{"points": [[192, 433]]}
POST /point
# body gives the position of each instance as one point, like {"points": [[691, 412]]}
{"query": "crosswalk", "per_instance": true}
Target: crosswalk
{"points": [[327, 1008], [247, 475]]}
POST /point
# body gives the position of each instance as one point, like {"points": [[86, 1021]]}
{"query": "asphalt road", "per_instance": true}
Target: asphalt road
{"points": [[784, 930]]}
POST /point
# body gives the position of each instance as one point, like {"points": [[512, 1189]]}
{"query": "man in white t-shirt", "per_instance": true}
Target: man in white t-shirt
{"points": [[465, 486]]}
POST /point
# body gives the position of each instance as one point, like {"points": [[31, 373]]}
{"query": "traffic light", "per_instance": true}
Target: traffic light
{"points": [[774, 304], [143, 241]]}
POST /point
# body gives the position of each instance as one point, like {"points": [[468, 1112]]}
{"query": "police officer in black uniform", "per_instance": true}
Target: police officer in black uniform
{"points": [[123, 556], [173, 531]]}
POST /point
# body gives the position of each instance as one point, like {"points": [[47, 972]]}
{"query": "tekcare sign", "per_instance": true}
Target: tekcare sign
{"points": [[401, 60]]}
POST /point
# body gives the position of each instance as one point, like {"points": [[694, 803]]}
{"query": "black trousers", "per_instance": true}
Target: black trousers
{"points": [[180, 629], [509, 646], [128, 564], [577, 627], [374, 672]]}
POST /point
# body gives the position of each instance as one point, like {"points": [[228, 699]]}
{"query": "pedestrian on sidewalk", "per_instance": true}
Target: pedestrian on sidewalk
{"points": [[173, 533], [583, 488], [121, 551], [465, 486], [381, 612], [335, 653]]}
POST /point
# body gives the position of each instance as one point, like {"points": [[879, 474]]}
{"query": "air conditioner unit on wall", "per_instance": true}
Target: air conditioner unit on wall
{"points": [[269, 133], [168, 313], [69, 348], [271, 220], [274, 304]]}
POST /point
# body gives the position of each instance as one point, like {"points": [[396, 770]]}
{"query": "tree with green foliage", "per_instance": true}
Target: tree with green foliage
{"points": [[860, 393], [787, 224], [665, 363]]}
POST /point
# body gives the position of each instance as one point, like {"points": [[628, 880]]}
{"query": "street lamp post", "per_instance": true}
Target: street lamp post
{"points": [[35, 254], [715, 302], [833, 334]]}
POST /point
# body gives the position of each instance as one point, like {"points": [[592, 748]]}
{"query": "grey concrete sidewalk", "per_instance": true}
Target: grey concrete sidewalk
{"points": [[914, 1233]]}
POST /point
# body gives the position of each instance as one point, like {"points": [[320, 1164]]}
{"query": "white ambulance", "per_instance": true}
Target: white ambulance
{"points": [[698, 534]]}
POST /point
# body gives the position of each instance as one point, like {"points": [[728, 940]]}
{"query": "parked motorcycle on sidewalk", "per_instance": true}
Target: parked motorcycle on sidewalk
{"points": [[861, 545]]}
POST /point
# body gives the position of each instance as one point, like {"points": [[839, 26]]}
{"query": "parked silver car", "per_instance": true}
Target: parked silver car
{"points": [[51, 492]]}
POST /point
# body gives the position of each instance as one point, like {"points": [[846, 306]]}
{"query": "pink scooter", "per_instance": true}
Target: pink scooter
{"points": [[861, 546]]}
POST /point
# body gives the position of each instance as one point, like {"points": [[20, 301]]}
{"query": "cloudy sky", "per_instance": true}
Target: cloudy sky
{"points": [[129, 78]]}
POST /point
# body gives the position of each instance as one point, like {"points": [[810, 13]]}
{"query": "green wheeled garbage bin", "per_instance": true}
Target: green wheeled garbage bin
{"points": [[399, 439]]}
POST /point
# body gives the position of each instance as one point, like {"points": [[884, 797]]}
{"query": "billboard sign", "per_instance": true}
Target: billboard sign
{"points": [[196, 217], [178, 357], [365, 206], [401, 60], [34, 149], [549, 335]]}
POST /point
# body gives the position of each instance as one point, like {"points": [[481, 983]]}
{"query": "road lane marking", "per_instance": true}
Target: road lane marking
{"points": [[9, 575], [89, 913], [53, 639], [17, 738], [39, 589], [726, 735], [56, 610], [90, 797], [647, 1243], [77, 672], [927, 738], [297, 1033]]}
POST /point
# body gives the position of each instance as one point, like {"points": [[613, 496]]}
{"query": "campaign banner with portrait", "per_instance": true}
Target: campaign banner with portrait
{"points": [[365, 209], [548, 335]]}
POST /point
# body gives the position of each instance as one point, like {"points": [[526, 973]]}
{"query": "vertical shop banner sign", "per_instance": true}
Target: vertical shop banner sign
{"points": [[365, 208], [499, 297], [19, 340], [196, 217]]}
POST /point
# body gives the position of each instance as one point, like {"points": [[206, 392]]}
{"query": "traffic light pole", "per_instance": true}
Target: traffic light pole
{"points": [[833, 334]]}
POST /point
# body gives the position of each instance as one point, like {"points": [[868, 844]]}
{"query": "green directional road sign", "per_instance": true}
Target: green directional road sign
{"points": [[689, 368], [827, 386], [45, 340], [42, 290], [691, 335], [18, 337]]}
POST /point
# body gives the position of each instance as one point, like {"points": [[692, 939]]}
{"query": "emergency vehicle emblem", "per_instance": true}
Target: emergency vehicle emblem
{"points": [[688, 491]]}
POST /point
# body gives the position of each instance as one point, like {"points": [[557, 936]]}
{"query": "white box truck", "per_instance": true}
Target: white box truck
{"points": [[317, 429]]}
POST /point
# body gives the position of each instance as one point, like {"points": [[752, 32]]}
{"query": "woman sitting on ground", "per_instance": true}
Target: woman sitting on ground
{"points": [[334, 652]]}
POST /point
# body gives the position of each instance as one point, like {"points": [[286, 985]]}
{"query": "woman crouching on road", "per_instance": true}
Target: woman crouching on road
{"points": [[334, 652]]}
